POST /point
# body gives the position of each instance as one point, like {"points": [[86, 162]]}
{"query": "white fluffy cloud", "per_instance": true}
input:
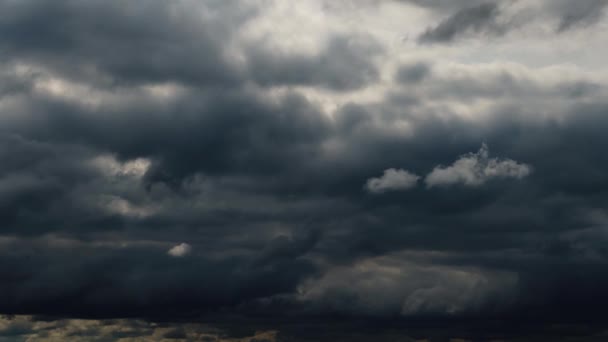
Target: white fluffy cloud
{"points": [[392, 180], [180, 250], [475, 169]]}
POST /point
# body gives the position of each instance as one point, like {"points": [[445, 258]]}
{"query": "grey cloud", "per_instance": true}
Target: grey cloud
{"points": [[344, 64], [184, 42], [413, 73], [217, 203], [391, 285], [267, 188], [581, 13], [504, 83], [450, 6], [477, 19], [495, 18], [72, 37], [111, 280]]}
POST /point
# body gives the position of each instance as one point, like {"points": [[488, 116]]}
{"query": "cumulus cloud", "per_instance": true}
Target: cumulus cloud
{"points": [[180, 250], [392, 180], [474, 169]]}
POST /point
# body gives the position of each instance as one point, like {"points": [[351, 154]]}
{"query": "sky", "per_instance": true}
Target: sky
{"points": [[380, 161]]}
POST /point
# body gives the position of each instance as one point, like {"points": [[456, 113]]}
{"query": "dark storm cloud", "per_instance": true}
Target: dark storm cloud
{"points": [[413, 73], [230, 132], [111, 280], [78, 37], [35, 178], [13, 83], [344, 64], [477, 19], [126, 131], [236, 135], [168, 42]]}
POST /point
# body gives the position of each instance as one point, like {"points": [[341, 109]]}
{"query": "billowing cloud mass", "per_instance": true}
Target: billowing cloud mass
{"points": [[475, 169], [392, 180], [316, 161]]}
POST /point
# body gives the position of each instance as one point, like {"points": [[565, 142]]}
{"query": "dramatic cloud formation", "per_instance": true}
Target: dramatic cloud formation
{"points": [[392, 180], [191, 162], [475, 169]]}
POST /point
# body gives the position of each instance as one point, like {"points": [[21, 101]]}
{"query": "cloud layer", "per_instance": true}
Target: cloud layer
{"points": [[170, 160]]}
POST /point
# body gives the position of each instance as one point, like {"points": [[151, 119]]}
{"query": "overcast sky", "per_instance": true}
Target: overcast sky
{"points": [[385, 159]]}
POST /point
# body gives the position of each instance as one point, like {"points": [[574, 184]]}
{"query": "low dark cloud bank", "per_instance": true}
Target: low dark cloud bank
{"points": [[158, 163]]}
